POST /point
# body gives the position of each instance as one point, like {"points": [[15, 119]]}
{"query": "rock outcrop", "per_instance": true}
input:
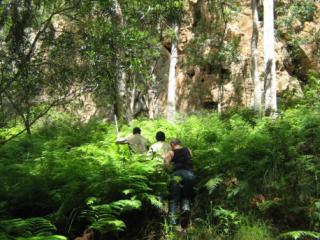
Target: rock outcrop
{"points": [[198, 87]]}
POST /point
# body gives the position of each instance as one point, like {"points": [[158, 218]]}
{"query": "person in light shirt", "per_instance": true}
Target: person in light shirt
{"points": [[160, 148], [136, 142]]}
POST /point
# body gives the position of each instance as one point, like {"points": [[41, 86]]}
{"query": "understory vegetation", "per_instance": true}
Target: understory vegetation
{"points": [[257, 178], [63, 177]]}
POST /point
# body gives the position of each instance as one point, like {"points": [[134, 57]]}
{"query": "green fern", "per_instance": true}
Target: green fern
{"points": [[52, 237], [27, 228], [228, 220], [213, 183], [268, 204], [297, 235], [106, 224], [104, 218]]}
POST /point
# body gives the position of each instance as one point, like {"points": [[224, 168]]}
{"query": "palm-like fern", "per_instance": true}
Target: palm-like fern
{"points": [[105, 218], [31, 228], [52, 237], [297, 235], [213, 183]]}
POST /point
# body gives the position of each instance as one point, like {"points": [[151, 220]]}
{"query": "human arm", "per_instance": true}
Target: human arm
{"points": [[168, 158], [122, 141], [190, 152], [151, 152]]}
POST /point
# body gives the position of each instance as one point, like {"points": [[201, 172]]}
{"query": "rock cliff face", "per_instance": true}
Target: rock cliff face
{"points": [[199, 88]]}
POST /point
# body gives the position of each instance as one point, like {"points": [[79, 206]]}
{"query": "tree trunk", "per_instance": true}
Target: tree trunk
{"points": [[27, 126], [220, 96], [132, 108], [122, 108], [151, 104], [269, 59], [171, 100], [117, 13], [153, 92], [254, 58], [121, 96]]}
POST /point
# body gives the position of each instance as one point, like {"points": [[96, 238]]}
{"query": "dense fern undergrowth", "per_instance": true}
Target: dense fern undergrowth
{"points": [[257, 178]]}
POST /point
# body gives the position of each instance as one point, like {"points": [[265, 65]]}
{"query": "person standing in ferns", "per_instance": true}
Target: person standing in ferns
{"points": [[158, 151], [161, 147], [136, 142], [181, 185]]}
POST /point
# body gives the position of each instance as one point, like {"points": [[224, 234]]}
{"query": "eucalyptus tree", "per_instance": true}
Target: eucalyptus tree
{"points": [[140, 43], [122, 107], [142, 46], [171, 99], [175, 12], [121, 42], [39, 58], [254, 58], [269, 58], [102, 29], [143, 19], [170, 14]]}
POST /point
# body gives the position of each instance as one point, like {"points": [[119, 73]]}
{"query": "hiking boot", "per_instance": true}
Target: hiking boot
{"points": [[185, 213], [185, 219], [185, 205], [172, 219], [172, 212]]}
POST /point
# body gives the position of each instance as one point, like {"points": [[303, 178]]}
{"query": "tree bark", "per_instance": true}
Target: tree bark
{"points": [[220, 97], [171, 100], [269, 59], [133, 94], [27, 126], [122, 108], [254, 58], [153, 92], [118, 17]]}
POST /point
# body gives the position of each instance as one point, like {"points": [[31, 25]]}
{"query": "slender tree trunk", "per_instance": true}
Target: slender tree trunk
{"points": [[254, 58], [153, 93], [219, 100], [269, 59], [171, 100], [121, 96], [122, 109], [220, 97], [117, 13], [132, 108], [151, 103], [27, 126]]}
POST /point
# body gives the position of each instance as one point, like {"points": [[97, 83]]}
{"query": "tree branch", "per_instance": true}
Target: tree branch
{"points": [[54, 103], [44, 28]]}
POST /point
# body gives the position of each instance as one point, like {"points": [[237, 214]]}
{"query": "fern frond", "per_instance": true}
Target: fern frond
{"points": [[152, 199], [41, 226], [108, 225], [52, 237], [268, 204], [213, 183], [104, 218], [126, 205], [296, 235], [26, 227]]}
